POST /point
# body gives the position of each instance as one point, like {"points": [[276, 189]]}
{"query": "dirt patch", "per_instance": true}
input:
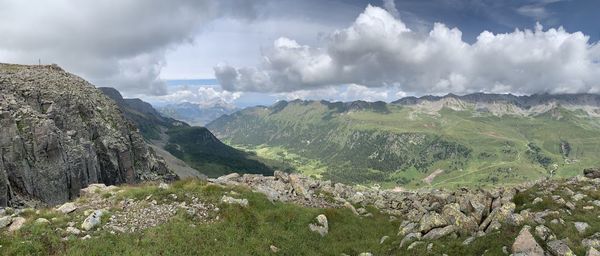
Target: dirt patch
{"points": [[432, 176]]}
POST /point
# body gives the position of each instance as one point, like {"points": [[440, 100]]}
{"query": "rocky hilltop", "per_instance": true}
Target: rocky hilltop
{"points": [[59, 134]]}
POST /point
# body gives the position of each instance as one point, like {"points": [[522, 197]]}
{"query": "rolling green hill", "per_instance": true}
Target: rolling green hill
{"points": [[449, 141]]}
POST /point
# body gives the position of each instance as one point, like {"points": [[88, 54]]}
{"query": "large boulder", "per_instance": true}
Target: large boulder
{"points": [[525, 244], [560, 248], [322, 225], [16, 224], [430, 221], [5, 221], [498, 215], [453, 215], [93, 220], [67, 208]]}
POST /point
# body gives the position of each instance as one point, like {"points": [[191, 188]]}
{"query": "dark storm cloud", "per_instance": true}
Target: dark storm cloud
{"points": [[114, 42]]}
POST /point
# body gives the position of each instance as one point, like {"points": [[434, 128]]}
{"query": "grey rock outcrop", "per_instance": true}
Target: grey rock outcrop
{"points": [[59, 133], [592, 173], [322, 225]]}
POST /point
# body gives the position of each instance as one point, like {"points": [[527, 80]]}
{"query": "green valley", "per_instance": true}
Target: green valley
{"points": [[451, 141]]}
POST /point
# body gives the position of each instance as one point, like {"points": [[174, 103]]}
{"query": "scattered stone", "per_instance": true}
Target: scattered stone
{"points": [[537, 200], [67, 208], [515, 219], [578, 196], [163, 185], [592, 173], [593, 241], [453, 216], [382, 240], [42, 221], [92, 220], [92, 189], [16, 224], [469, 240], [408, 228], [495, 225], [440, 232], [322, 226], [570, 205], [588, 207], [410, 237], [592, 252], [230, 200], [544, 233], [525, 244], [569, 192], [414, 244], [274, 248], [73, 230], [431, 220], [430, 247], [581, 227], [365, 254], [86, 237], [5, 221], [559, 248]]}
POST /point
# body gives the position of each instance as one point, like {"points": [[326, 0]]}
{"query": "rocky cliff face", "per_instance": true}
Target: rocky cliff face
{"points": [[149, 121], [59, 133]]}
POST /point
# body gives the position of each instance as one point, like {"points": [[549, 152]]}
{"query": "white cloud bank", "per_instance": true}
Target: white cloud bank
{"points": [[379, 50], [204, 96]]}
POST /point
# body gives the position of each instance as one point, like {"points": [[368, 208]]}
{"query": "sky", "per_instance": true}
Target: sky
{"points": [[255, 52]]}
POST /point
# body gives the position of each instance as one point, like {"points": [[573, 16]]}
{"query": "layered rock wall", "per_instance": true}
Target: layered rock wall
{"points": [[58, 134]]}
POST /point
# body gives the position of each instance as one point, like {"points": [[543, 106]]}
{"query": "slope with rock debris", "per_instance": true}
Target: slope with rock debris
{"points": [[290, 212]]}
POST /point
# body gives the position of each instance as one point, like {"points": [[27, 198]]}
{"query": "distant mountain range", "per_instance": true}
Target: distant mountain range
{"points": [[442, 141], [196, 114]]}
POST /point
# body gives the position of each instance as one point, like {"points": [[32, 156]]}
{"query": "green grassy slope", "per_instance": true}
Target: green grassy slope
{"points": [[396, 145], [198, 147], [194, 145]]}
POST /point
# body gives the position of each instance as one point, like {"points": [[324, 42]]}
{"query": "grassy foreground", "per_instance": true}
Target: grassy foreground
{"points": [[237, 230]]}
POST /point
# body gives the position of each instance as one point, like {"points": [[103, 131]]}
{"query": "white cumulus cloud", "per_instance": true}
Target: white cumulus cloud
{"points": [[204, 96], [379, 50]]}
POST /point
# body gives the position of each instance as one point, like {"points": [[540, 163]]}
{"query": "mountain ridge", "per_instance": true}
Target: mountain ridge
{"points": [[501, 138]]}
